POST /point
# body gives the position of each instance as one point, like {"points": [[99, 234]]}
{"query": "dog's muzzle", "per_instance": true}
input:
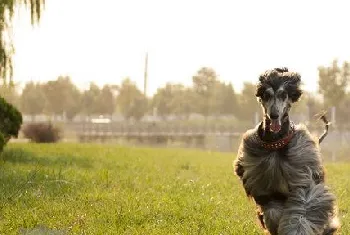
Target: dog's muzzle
{"points": [[275, 125]]}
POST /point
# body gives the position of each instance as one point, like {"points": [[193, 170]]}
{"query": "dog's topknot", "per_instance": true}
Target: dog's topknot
{"points": [[277, 77], [282, 69]]}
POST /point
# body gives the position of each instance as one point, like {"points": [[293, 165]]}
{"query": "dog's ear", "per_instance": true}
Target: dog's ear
{"points": [[293, 87], [260, 88]]}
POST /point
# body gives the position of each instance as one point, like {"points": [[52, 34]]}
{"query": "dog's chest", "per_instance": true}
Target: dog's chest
{"points": [[269, 172]]}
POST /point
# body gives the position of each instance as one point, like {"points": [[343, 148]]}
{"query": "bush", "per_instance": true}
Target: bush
{"points": [[10, 122], [42, 132]]}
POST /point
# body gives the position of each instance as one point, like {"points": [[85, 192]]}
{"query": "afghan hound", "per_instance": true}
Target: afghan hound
{"points": [[280, 165]]}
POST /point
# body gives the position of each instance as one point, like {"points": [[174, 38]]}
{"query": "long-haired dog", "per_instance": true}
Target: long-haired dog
{"points": [[280, 165]]}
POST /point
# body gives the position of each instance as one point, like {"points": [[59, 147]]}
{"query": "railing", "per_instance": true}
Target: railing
{"points": [[150, 130]]}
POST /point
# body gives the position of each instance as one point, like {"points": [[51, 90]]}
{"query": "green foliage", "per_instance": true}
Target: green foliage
{"points": [[213, 97], [73, 106], [225, 100], [62, 97], [183, 102], [333, 82], [89, 99], [3, 142], [105, 101], [132, 103], [343, 113], [137, 108], [10, 119], [107, 189], [42, 132], [170, 99], [204, 83], [7, 9], [10, 122], [32, 100], [208, 96]]}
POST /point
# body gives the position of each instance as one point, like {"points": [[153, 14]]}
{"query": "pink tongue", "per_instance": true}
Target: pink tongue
{"points": [[275, 126]]}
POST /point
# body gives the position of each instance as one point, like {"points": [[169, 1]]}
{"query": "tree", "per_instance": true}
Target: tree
{"points": [[204, 83], [131, 101], [137, 108], [33, 100], [248, 104], [11, 121], [174, 99], [73, 106], [62, 97], [343, 113], [183, 102], [89, 100], [163, 100], [224, 102], [333, 83], [7, 10], [105, 102]]}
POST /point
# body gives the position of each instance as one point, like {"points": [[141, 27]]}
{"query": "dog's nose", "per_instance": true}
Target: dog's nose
{"points": [[274, 116]]}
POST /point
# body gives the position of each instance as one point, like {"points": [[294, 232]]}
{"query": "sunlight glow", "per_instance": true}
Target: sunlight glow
{"points": [[107, 42]]}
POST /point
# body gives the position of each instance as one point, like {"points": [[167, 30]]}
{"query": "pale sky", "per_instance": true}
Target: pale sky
{"points": [[240, 39]]}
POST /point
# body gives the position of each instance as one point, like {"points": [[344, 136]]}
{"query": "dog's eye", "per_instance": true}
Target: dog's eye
{"points": [[266, 96], [282, 95]]}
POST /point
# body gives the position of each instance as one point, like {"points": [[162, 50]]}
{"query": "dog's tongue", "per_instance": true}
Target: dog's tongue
{"points": [[275, 126]]}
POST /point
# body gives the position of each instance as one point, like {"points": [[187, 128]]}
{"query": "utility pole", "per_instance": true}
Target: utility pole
{"points": [[145, 75]]}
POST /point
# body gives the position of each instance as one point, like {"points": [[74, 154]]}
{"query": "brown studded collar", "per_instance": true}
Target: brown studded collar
{"points": [[279, 143]]}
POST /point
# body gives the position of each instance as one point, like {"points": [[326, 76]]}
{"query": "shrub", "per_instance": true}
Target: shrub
{"points": [[42, 132], [10, 122]]}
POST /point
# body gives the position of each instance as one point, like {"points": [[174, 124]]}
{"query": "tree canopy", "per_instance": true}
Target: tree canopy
{"points": [[131, 101], [333, 82], [33, 100]]}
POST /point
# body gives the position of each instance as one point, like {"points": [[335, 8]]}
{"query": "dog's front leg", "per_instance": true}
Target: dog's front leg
{"points": [[238, 168], [269, 215]]}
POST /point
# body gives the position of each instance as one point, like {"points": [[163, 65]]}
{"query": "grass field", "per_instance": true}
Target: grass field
{"points": [[105, 189]]}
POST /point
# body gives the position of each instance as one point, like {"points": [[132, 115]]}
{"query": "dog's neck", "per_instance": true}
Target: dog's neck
{"points": [[267, 135]]}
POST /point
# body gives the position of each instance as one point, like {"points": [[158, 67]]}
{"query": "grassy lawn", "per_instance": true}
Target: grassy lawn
{"points": [[106, 189]]}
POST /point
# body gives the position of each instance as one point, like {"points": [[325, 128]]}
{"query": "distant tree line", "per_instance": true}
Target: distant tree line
{"points": [[208, 96]]}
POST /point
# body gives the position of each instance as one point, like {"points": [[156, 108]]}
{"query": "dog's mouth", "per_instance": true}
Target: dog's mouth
{"points": [[275, 125]]}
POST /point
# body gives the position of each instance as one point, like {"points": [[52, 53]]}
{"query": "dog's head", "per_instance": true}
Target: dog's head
{"points": [[276, 91]]}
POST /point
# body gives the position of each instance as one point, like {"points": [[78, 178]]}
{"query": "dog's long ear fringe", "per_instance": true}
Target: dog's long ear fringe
{"points": [[260, 87], [293, 87]]}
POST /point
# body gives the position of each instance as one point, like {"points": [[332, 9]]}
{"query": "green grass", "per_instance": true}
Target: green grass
{"points": [[106, 189]]}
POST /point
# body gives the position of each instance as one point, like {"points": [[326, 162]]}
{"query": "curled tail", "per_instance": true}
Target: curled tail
{"points": [[309, 211], [327, 123]]}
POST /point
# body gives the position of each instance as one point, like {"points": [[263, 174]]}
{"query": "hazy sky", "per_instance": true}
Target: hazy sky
{"points": [[105, 43]]}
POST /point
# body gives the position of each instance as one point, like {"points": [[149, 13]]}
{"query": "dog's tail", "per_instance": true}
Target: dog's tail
{"points": [[309, 212], [327, 123]]}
